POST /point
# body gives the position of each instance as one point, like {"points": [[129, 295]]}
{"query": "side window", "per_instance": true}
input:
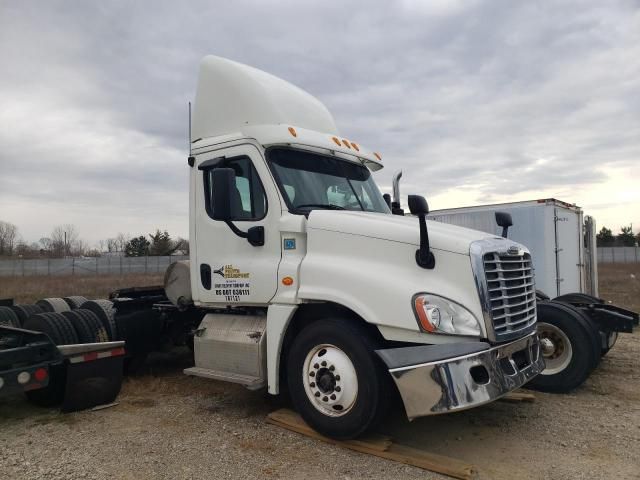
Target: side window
{"points": [[248, 201]]}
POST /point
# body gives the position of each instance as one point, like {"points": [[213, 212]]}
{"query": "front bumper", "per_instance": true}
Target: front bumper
{"points": [[435, 379]]}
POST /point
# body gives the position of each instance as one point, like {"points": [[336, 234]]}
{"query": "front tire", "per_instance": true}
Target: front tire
{"points": [[336, 383]]}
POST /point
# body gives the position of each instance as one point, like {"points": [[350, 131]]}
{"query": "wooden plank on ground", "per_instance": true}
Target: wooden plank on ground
{"points": [[519, 397], [381, 446]]}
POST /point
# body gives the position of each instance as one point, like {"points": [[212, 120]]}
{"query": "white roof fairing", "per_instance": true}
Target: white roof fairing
{"points": [[231, 96]]}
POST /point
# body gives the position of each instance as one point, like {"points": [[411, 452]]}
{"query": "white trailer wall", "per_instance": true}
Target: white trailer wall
{"points": [[534, 225]]}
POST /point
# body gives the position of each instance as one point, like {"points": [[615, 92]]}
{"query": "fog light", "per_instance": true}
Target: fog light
{"points": [[24, 377]]}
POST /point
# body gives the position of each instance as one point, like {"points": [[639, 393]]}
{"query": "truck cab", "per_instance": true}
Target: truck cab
{"points": [[308, 283]]}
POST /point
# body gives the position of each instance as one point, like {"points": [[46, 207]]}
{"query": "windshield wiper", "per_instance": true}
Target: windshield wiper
{"points": [[328, 206]]}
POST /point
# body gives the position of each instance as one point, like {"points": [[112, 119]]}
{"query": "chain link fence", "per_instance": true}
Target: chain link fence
{"points": [[618, 254], [20, 267]]}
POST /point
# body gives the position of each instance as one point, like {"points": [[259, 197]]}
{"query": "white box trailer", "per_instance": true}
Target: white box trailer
{"points": [[561, 240]]}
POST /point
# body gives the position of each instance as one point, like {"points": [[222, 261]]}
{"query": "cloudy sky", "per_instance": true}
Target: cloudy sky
{"points": [[477, 102]]}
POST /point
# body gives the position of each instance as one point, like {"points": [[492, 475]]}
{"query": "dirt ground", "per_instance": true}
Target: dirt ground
{"points": [[167, 425]]}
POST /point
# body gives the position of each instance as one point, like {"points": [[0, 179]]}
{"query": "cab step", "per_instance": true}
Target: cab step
{"points": [[251, 382]]}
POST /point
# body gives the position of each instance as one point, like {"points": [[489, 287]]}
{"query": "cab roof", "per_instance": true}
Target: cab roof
{"points": [[237, 100]]}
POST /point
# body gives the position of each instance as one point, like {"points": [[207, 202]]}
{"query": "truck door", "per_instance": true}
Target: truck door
{"points": [[230, 270], [569, 249]]}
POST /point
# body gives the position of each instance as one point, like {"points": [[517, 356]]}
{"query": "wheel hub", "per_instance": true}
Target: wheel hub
{"points": [[326, 380], [547, 346], [330, 380], [556, 348]]}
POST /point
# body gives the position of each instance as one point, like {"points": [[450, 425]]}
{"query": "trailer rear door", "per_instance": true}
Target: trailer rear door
{"points": [[569, 267]]}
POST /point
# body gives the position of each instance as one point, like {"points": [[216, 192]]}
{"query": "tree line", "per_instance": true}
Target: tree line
{"points": [[626, 237], [64, 241]]}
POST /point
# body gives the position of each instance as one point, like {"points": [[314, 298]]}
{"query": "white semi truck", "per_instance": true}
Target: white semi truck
{"points": [[304, 278]]}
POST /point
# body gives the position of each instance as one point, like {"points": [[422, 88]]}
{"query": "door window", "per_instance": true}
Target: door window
{"points": [[248, 199]]}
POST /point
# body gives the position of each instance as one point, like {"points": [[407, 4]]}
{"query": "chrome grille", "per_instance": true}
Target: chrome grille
{"points": [[512, 293], [505, 280]]}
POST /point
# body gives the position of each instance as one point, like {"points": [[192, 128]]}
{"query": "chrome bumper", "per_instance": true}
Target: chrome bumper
{"points": [[435, 379]]}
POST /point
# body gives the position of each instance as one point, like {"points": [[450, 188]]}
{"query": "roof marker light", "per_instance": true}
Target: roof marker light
{"points": [[346, 143], [354, 145], [336, 140], [293, 132], [377, 155]]}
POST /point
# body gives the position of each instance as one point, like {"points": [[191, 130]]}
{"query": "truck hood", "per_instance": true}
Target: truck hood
{"points": [[395, 228]]}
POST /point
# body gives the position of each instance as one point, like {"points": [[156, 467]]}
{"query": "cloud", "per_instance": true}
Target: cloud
{"points": [[475, 101]]}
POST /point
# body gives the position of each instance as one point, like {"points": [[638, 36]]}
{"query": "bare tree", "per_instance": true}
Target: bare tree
{"points": [[45, 244], [121, 241], [8, 237], [63, 239]]}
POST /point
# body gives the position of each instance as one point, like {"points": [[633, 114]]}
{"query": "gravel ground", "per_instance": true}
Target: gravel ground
{"points": [[167, 425]]}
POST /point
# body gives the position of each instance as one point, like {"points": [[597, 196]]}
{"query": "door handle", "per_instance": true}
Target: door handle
{"points": [[205, 275]]}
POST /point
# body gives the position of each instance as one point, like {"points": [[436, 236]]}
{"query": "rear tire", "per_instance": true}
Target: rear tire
{"points": [[8, 317], [56, 305], [87, 326], [25, 311], [345, 395], [55, 325], [75, 301], [105, 312], [570, 346]]}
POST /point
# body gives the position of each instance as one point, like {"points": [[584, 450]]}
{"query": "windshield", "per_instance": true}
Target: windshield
{"points": [[309, 181]]}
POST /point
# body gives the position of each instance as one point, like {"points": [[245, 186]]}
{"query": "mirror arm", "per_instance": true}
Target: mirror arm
{"points": [[505, 231], [255, 235], [235, 229], [424, 255]]}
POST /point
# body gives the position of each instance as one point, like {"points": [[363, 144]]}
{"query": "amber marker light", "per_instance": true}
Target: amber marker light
{"points": [[336, 140], [354, 145], [287, 281], [377, 155], [425, 323], [346, 143], [293, 132]]}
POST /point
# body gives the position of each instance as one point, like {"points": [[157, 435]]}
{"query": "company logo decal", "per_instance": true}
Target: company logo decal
{"points": [[229, 271]]}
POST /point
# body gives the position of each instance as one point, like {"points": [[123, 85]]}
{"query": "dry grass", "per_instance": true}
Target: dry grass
{"points": [[31, 289], [620, 284]]}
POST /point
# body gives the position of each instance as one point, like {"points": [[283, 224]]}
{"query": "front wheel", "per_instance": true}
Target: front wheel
{"points": [[336, 383]]}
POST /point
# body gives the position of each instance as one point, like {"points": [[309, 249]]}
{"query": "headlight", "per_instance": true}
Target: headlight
{"points": [[440, 315]]}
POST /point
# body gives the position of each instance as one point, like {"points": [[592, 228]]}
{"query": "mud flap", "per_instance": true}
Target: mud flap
{"points": [[92, 379]]}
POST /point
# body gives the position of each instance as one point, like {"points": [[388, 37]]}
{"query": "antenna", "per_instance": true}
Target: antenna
{"points": [[189, 128]]}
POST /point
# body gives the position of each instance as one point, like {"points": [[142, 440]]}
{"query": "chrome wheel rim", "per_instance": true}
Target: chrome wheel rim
{"points": [[330, 380], [555, 347]]}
